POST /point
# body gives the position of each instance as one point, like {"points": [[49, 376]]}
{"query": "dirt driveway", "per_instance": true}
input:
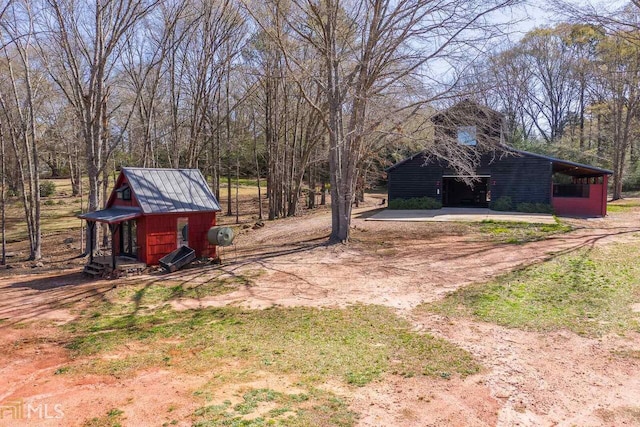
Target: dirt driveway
{"points": [[396, 264], [530, 378]]}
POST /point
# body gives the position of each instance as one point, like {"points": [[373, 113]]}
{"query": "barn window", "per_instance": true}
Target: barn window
{"points": [[467, 135]]}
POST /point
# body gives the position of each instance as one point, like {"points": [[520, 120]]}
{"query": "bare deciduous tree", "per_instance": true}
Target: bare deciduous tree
{"points": [[19, 106], [370, 49], [82, 46]]}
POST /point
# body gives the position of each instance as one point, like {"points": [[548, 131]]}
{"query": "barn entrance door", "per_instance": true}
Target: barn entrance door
{"points": [[183, 232], [129, 239], [456, 193]]}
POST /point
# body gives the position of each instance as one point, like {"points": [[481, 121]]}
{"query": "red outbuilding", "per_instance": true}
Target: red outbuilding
{"points": [[152, 212]]}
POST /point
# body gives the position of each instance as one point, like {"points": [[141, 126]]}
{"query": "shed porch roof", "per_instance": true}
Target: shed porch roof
{"points": [[112, 215]]}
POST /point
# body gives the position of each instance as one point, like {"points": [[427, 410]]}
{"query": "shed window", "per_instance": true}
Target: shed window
{"points": [[124, 193], [467, 135]]}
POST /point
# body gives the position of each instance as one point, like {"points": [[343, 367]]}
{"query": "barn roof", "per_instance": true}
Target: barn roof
{"points": [[563, 166], [170, 190], [568, 167]]}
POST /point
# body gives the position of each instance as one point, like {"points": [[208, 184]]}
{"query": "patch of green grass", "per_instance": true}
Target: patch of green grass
{"points": [[317, 408], [55, 218], [113, 418], [622, 206], [357, 344], [589, 292], [159, 291], [213, 287], [250, 182], [246, 182], [520, 232], [122, 367], [623, 415], [61, 371], [627, 353]]}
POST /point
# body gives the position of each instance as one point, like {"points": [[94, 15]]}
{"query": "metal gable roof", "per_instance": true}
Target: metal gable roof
{"points": [[566, 163], [170, 190]]}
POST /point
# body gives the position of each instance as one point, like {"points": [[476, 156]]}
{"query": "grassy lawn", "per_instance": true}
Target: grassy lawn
{"points": [[354, 346], [622, 206], [260, 407], [155, 292], [520, 232], [58, 212], [589, 292], [113, 418]]}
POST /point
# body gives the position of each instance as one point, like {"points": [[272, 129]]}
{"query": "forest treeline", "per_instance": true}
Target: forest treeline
{"points": [[303, 94]]}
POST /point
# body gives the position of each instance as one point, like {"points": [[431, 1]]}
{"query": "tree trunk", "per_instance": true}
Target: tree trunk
{"points": [[255, 155], [237, 190], [3, 197]]}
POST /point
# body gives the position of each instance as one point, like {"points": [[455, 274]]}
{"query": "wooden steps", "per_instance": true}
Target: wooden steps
{"points": [[102, 266], [94, 269]]}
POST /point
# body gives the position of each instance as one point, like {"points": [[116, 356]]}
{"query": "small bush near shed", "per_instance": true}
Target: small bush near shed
{"points": [[47, 188], [501, 204], [415, 203], [534, 208]]}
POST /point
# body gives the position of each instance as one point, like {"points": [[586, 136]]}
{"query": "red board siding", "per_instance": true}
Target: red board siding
{"points": [[594, 205], [158, 234]]}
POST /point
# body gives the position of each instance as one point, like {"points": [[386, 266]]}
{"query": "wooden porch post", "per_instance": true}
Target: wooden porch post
{"points": [[91, 225], [112, 229], [603, 197]]}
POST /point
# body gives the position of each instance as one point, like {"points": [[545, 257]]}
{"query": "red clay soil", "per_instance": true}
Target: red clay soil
{"points": [[394, 264], [530, 379]]}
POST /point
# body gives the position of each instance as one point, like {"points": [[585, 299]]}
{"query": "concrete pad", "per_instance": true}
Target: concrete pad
{"points": [[460, 214]]}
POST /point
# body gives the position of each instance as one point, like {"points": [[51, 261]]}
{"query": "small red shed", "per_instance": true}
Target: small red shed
{"points": [[152, 212]]}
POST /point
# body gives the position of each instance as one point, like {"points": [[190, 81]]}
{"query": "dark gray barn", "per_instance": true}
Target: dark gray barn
{"points": [[501, 172]]}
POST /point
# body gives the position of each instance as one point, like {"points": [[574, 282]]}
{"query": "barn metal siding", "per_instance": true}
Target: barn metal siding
{"points": [[415, 179], [525, 179], [520, 177]]}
